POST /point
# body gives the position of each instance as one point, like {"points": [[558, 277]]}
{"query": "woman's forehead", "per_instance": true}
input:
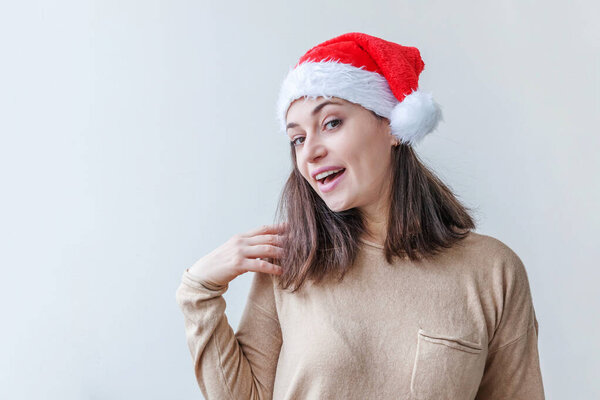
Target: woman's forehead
{"points": [[308, 105], [318, 99], [309, 108]]}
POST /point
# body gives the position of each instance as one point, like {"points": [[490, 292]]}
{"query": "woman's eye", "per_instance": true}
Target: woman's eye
{"points": [[294, 142], [334, 120]]}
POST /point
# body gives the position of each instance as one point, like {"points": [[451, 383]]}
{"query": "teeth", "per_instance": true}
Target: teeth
{"points": [[326, 174]]}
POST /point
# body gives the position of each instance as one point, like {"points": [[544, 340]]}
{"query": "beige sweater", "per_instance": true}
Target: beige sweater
{"points": [[461, 326]]}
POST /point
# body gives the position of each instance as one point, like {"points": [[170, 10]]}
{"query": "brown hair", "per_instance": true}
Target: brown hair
{"points": [[424, 218]]}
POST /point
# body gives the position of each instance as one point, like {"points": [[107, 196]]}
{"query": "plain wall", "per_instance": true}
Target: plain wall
{"points": [[137, 136]]}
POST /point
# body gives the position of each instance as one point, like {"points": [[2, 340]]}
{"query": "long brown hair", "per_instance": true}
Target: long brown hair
{"points": [[424, 218]]}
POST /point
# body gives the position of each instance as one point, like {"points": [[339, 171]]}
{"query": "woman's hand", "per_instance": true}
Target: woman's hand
{"points": [[240, 254]]}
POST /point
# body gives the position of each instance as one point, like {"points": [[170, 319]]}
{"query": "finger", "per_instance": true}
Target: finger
{"points": [[273, 239], [266, 229], [263, 266], [262, 251]]}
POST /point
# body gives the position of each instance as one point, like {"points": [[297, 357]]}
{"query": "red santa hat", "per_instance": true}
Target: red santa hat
{"points": [[379, 75]]}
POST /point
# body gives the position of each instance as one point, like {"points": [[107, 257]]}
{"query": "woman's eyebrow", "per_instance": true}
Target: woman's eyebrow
{"points": [[314, 112]]}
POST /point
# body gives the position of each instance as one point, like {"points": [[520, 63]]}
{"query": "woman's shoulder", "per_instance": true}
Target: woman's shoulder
{"points": [[487, 244], [493, 254]]}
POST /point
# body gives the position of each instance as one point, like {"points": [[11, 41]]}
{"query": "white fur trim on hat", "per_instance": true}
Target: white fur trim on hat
{"points": [[410, 120]]}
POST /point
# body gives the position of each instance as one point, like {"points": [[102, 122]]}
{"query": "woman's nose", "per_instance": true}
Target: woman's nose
{"points": [[314, 148]]}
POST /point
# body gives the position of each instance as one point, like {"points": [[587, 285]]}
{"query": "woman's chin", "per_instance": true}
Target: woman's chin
{"points": [[337, 206]]}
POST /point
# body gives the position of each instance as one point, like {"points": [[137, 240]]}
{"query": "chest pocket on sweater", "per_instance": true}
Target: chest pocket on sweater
{"points": [[446, 367]]}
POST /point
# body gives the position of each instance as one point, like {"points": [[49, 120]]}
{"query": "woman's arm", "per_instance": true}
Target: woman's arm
{"points": [[231, 365], [512, 369]]}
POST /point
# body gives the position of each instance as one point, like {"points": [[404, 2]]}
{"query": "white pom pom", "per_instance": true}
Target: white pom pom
{"points": [[415, 116]]}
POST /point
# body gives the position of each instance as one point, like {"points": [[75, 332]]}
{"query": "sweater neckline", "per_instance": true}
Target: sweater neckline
{"points": [[372, 244]]}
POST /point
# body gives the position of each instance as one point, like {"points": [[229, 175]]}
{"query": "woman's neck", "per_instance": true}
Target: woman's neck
{"points": [[376, 217], [375, 225]]}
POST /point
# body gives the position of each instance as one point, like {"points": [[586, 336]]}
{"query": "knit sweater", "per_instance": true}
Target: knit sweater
{"points": [[458, 326]]}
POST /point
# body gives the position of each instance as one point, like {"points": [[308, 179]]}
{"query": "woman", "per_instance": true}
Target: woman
{"points": [[373, 285]]}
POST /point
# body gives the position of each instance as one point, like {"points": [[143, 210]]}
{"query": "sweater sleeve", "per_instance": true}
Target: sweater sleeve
{"points": [[512, 369], [230, 365]]}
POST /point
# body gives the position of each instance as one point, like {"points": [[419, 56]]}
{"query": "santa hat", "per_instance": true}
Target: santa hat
{"points": [[379, 75]]}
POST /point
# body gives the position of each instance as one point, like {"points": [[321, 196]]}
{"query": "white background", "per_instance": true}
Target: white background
{"points": [[136, 136]]}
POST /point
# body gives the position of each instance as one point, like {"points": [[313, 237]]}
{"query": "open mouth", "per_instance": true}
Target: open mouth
{"points": [[331, 177], [330, 181]]}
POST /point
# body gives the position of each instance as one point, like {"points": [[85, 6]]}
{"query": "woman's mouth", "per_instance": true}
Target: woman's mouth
{"points": [[328, 183]]}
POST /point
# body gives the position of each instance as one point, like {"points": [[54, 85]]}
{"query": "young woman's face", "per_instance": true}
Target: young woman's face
{"points": [[341, 135]]}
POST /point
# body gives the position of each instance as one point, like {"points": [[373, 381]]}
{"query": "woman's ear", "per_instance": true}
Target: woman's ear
{"points": [[394, 140]]}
